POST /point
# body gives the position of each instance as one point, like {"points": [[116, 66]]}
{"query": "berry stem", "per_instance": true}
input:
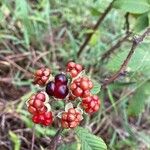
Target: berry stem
{"points": [[33, 137], [55, 140]]}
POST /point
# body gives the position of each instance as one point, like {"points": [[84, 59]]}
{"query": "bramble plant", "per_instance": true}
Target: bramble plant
{"points": [[72, 87]]}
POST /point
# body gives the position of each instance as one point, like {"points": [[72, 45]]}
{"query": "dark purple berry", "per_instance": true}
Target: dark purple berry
{"points": [[58, 88], [61, 91], [61, 79], [50, 87]]}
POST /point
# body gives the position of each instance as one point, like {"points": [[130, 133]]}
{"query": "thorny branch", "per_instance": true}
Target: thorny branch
{"points": [[100, 20], [135, 42]]}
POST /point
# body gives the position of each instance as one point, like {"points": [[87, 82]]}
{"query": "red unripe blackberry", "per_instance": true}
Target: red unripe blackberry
{"points": [[36, 103], [71, 118], [91, 104], [74, 69], [81, 87], [41, 76]]}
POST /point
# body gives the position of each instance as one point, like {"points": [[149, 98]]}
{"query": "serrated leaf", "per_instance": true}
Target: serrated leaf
{"points": [[96, 88], [15, 140], [90, 141], [133, 6], [141, 23]]}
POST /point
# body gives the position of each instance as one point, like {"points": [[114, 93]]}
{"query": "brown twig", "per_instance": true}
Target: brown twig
{"points": [[56, 140], [100, 20], [127, 25], [114, 47], [136, 42], [17, 66]]}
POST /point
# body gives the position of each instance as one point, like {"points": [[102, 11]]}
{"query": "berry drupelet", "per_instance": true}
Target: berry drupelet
{"points": [[37, 106]]}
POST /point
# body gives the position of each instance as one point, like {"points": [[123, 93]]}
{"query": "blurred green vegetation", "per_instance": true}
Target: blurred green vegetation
{"points": [[35, 33]]}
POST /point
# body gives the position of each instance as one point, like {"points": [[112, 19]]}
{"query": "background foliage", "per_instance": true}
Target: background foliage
{"points": [[49, 33]]}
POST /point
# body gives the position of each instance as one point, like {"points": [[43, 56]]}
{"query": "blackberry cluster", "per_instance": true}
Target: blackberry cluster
{"points": [[76, 86]]}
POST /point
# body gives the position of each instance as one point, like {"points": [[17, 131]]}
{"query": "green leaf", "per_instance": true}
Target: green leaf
{"points": [[133, 6], [90, 141], [58, 104], [15, 140], [141, 23], [137, 103], [96, 88]]}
